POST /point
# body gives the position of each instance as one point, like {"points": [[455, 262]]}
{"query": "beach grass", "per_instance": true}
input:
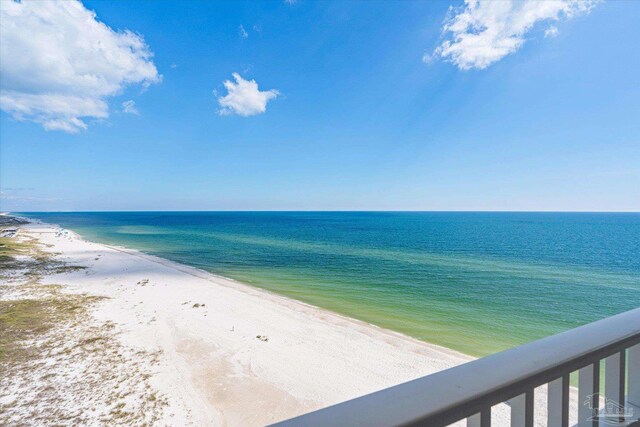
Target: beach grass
{"points": [[45, 329], [9, 248], [34, 308], [25, 321]]}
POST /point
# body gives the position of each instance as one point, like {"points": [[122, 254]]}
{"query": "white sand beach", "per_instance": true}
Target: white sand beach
{"points": [[225, 353]]}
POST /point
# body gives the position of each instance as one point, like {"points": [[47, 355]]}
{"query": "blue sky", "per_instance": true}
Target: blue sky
{"points": [[359, 118]]}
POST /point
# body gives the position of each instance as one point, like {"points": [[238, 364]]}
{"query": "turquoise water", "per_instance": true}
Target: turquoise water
{"points": [[475, 282]]}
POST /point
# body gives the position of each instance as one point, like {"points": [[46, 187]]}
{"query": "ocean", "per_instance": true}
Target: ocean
{"points": [[472, 281]]}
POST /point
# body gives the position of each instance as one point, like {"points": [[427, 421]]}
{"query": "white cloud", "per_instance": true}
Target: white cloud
{"points": [[130, 107], [244, 98], [551, 31], [485, 31], [59, 64], [243, 32]]}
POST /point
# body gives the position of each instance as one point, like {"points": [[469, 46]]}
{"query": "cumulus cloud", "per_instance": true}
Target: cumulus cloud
{"points": [[129, 107], [244, 98], [485, 31], [59, 64]]}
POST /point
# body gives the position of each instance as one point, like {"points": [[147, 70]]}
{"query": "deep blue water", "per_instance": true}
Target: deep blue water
{"points": [[476, 282]]}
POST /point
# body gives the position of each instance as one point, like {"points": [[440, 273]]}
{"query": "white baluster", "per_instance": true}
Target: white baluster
{"points": [[518, 408], [587, 396], [482, 419], [614, 386], [554, 403], [612, 378], [474, 421]]}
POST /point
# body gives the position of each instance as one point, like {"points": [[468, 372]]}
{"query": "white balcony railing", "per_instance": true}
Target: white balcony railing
{"points": [[469, 391]]}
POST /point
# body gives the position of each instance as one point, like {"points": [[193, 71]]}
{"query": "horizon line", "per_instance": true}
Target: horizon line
{"points": [[322, 211]]}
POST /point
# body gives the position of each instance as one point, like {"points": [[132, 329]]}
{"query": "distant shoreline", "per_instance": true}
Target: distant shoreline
{"points": [[331, 211]]}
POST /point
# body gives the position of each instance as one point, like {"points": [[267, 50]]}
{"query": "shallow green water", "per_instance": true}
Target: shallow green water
{"points": [[475, 282]]}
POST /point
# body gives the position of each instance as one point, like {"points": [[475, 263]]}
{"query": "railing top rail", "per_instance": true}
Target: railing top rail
{"points": [[461, 391]]}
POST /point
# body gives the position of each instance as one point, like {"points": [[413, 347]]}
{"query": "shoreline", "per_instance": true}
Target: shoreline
{"points": [[244, 287], [229, 353], [219, 279]]}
